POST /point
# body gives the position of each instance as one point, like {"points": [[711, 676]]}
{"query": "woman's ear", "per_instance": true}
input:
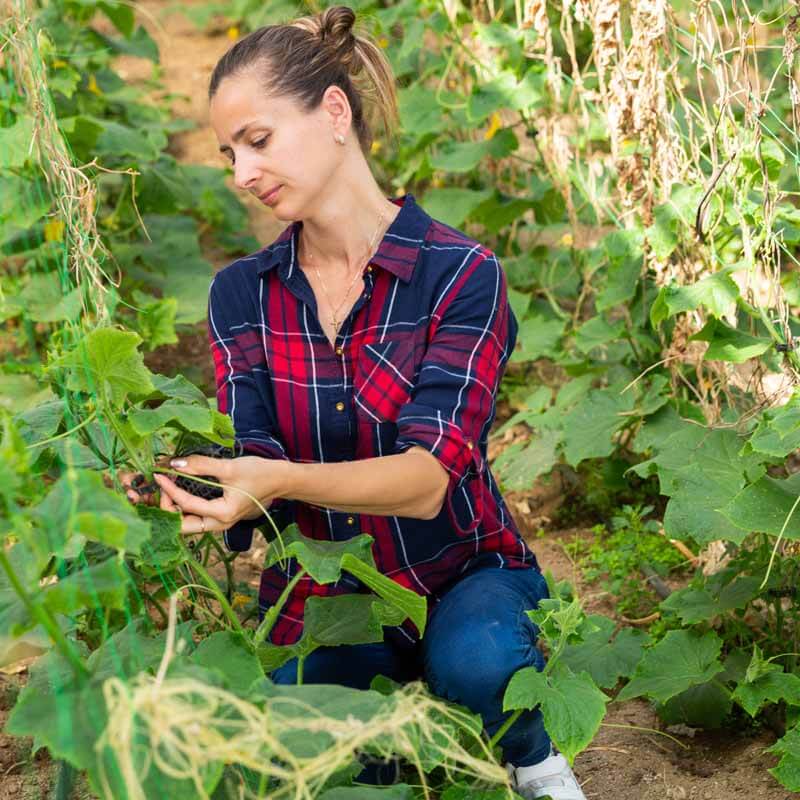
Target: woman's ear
{"points": [[337, 107]]}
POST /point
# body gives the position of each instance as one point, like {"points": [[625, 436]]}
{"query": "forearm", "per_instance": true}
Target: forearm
{"points": [[410, 484]]}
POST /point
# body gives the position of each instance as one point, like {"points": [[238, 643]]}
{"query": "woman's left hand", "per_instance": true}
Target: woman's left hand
{"points": [[262, 478]]}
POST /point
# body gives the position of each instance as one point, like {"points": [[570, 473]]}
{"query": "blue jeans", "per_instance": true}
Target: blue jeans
{"points": [[478, 636]]}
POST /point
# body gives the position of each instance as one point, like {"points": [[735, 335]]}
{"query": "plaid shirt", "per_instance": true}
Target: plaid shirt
{"points": [[418, 362]]}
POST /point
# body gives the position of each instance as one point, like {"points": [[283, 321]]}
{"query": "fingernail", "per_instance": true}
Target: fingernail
{"points": [[178, 462]]}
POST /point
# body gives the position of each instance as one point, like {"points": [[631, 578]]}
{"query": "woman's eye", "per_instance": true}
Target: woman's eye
{"points": [[261, 142]]}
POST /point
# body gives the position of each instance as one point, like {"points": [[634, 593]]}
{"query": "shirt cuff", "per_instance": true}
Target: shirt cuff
{"points": [[464, 462]]}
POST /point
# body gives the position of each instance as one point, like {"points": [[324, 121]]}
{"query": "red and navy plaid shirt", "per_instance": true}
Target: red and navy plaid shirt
{"points": [[418, 361]]}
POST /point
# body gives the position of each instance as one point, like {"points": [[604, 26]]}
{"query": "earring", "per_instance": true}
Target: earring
{"points": [[339, 138]]}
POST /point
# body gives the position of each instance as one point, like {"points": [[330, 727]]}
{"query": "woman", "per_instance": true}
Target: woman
{"points": [[359, 357]]}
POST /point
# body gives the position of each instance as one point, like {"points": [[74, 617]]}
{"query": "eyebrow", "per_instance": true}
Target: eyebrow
{"points": [[238, 135]]}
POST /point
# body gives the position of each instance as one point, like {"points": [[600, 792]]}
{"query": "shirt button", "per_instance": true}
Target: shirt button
{"points": [[369, 269], [339, 351], [340, 406], [350, 521], [469, 444]]}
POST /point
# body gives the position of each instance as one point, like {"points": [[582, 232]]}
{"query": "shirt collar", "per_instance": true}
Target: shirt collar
{"points": [[398, 251]]}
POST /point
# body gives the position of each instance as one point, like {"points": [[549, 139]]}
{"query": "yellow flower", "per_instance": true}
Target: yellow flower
{"points": [[59, 63], [239, 600], [436, 183], [376, 147], [233, 33], [93, 87], [495, 123], [383, 42], [54, 231], [566, 240]]}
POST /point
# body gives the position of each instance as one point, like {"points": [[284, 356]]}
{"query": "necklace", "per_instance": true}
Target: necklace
{"points": [[334, 313]]}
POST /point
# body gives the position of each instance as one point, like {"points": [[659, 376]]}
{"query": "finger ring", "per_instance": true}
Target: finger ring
{"points": [[202, 524]]}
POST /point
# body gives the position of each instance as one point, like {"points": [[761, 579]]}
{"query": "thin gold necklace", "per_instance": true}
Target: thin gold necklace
{"points": [[359, 271]]}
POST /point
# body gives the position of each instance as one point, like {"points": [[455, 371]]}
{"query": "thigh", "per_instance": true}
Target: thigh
{"points": [[478, 634], [349, 665]]}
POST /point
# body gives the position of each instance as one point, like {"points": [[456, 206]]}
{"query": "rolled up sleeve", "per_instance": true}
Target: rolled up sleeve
{"points": [[242, 396], [453, 403]]}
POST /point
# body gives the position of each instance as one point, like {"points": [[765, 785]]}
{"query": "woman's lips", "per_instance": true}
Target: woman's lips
{"points": [[269, 197]]}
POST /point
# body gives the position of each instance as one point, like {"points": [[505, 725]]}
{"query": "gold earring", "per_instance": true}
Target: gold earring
{"points": [[339, 138]]}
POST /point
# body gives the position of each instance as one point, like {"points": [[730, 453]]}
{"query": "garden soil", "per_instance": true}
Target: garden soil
{"points": [[624, 762]]}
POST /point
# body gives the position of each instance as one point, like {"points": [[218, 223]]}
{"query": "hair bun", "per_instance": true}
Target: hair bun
{"points": [[336, 32]]}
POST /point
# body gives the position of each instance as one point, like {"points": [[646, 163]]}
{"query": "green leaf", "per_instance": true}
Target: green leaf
{"points": [[717, 292], [770, 688], [704, 706], [605, 660], [346, 619], [597, 332], [452, 206], [700, 605], [164, 549], [766, 682], [131, 650], [108, 360], [397, 792], [207, 422], [420, 114], [519, 465], [122, 17], [591, 424], [729, 344], [766, 505], [537, 337], [16, 142], [232, 656], [102, 586], [45, 300], [40, 422], [680, 660], [788, 770], [79, 503], [320, 558], [778, 431], [155, 320], [572, 706], [412, 605], [695, 510], [23, 202], [672, 218], [177, 388]]}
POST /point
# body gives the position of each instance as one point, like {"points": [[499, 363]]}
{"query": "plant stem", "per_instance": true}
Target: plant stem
{"points": [[271, 617], [45, 619], [301, 660], [80, 425], [503, 729], [213, 587]]}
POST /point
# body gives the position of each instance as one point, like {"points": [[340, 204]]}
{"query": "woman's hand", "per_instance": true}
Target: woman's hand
{"points": [[149, 498], [263, 478]]}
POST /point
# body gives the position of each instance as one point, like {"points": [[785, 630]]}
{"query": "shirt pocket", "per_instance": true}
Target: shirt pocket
{"points": [[383, 379]]}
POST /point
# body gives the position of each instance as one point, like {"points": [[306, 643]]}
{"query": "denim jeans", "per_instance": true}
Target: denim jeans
{"points": [[478, 636]]}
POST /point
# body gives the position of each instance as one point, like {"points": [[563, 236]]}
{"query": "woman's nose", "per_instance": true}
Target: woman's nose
{"points": [[245, 173]]}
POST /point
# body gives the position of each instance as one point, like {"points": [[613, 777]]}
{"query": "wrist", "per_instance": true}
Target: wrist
{"points": [[290, 480]]}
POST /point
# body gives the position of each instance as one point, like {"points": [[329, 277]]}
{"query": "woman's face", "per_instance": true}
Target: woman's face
{"points": [[272, 142]]}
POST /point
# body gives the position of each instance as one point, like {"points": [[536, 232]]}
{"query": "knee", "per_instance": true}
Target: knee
{"points": [[477, 663]]}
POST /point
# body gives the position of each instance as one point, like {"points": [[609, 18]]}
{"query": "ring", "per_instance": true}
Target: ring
{"points": [[202, 524]]}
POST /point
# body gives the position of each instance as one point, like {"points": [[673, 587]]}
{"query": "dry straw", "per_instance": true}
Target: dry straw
{"points": [[186, 725]]}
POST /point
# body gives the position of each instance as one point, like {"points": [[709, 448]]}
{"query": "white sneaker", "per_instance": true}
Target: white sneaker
{"points": [[551, 778]]}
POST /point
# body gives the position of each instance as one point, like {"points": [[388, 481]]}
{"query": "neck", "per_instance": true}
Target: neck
{"points": [[338, 230]]}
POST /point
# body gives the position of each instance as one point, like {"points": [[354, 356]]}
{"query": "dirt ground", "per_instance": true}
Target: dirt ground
{"points": [[624, 762]]}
